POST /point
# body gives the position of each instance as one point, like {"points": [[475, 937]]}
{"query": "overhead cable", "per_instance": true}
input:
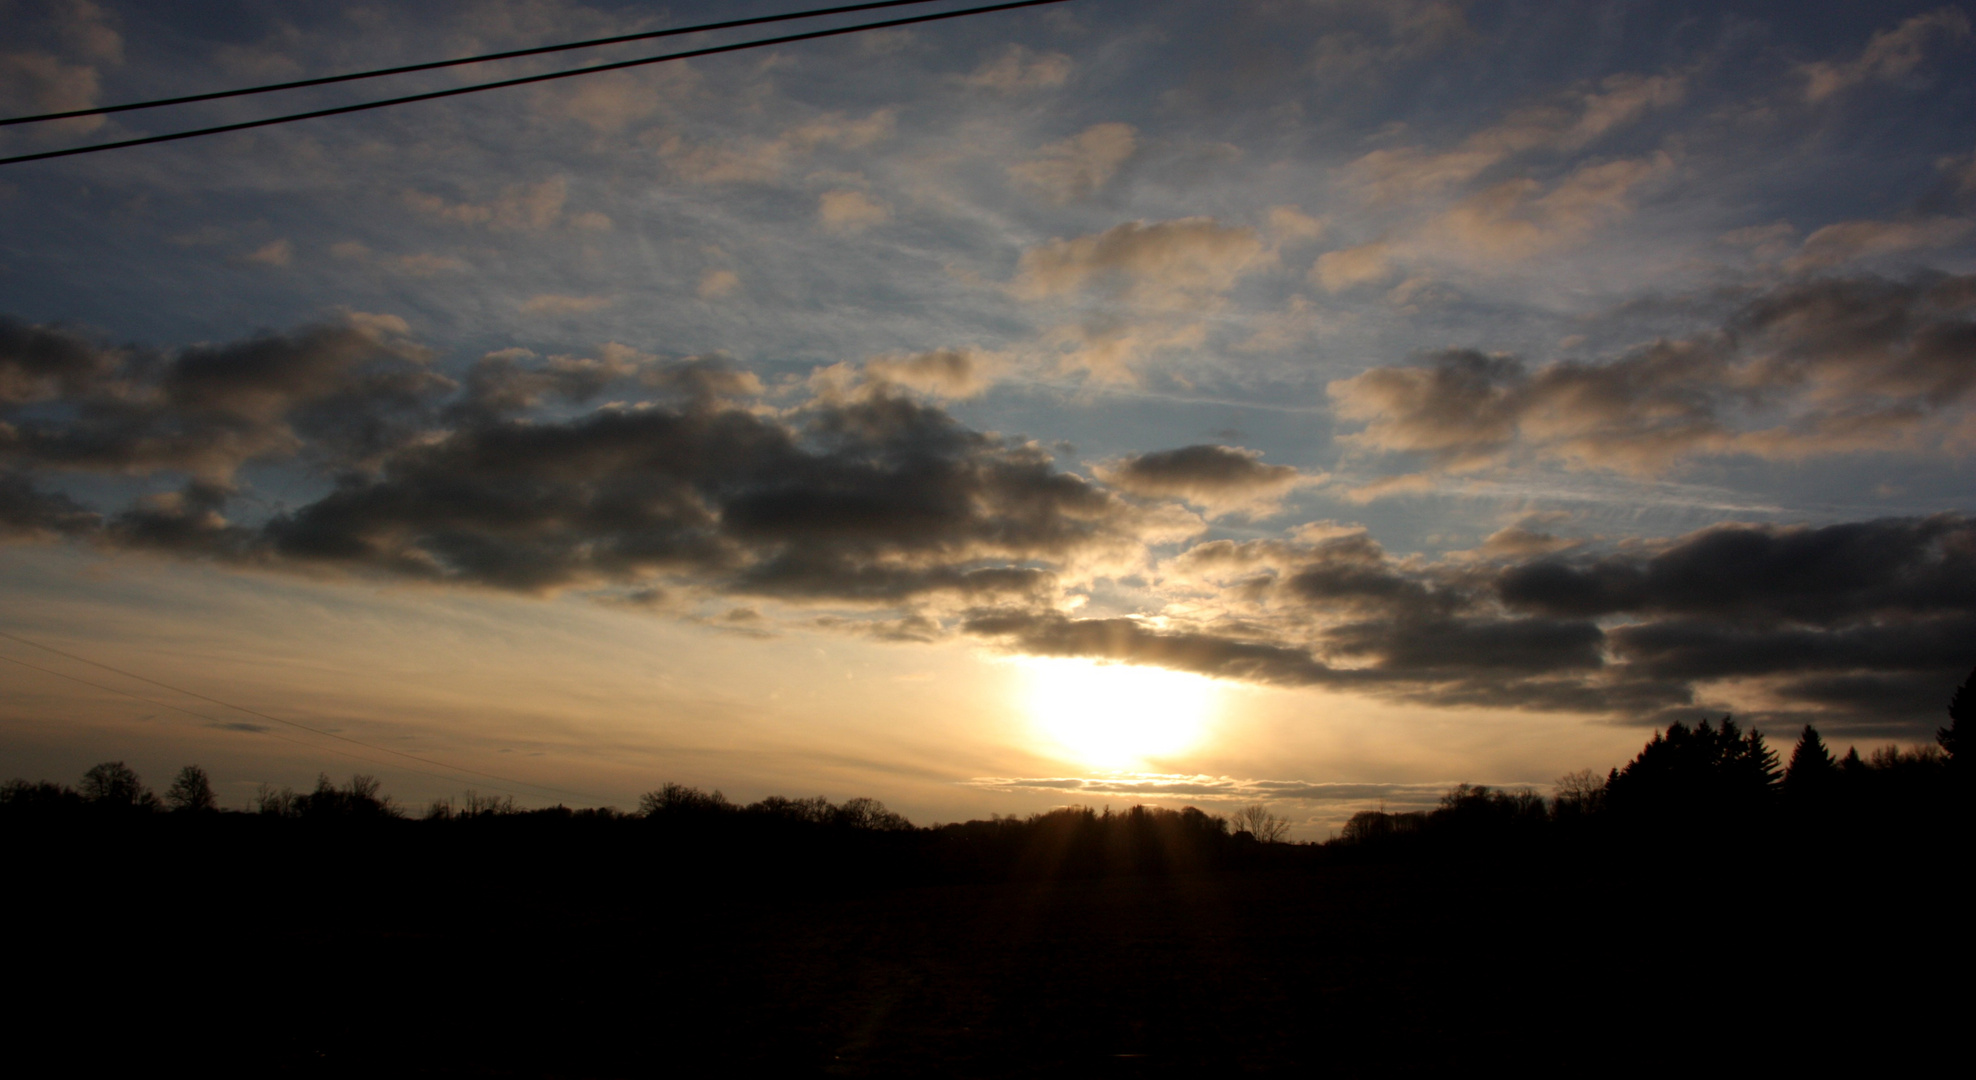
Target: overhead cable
{"points": [[526, 80], [436, 64]]}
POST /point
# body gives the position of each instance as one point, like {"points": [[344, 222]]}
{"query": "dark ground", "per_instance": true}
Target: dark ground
{"points": [[336, 953]]}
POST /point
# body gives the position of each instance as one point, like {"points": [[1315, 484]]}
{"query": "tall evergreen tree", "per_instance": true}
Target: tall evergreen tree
{"points": [[1812, 768], [1961, 706], [1701, 770]]}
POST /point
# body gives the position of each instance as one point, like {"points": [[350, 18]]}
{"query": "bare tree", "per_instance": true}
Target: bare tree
{"points": [[1257, 820], [115, 784], [192, 791], [1579, 794]]}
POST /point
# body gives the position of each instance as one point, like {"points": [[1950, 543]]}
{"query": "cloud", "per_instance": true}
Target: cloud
{"points": [[1569, 123], [715, 284], [848, 211], [1622, 100], [1221, 789], [510, 381], [1510, 219], [903, 523], [612, 101], [1220, 479], [1018, 69], [1133, 642], [552, 304], [1815, 367], [88, 30], [520, 207], [34, 82], [1764, 241], [1108, 347], [952, 373], [345, 390], [1078, 166], [1858, 623], [1828, 576], [1147, 261], [1290, 223], [764, 161], [1841, 625], [1372, 40], [873, 499], [1518, 218], [1849, 241], [1388, 486], [273, 253], [1890, 55], [1366, 264], [27, 513], [425, 264]]}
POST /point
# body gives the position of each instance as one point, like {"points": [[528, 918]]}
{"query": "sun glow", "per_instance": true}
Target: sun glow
{"points": [[1116, 716]]}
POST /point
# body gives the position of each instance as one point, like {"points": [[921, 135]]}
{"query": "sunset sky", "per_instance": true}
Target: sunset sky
{"points": [[1179, 401]]}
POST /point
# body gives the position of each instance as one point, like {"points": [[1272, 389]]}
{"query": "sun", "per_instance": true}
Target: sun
{"points": [[1117, 716]]}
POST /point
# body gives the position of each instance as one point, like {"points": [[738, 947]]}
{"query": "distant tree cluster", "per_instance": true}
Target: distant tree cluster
{"points": [[112, 788], [678, 801], [1690, 782], [1686, 783]]}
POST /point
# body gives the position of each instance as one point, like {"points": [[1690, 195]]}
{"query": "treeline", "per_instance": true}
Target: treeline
{"points": [[680, 822], [1712, 785]]}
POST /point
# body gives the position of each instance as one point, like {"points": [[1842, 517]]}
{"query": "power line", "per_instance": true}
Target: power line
{"points": [[217, 720], [525, 80], [435, 64], [279, 720]]}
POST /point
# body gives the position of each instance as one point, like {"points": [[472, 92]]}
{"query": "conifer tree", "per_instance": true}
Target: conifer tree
{"points": [[1961, 705], [1812, 768]]}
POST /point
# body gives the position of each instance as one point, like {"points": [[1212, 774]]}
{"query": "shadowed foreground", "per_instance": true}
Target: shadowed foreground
{"points": [[528, 945], [1700, 907]]}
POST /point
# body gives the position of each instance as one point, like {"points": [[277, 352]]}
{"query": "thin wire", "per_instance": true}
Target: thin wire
{"points": [[217, 720], [431, 65], [525, 80], [290, 723]]}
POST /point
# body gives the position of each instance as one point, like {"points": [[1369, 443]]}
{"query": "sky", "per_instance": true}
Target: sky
{"points": [[1310, 402]]}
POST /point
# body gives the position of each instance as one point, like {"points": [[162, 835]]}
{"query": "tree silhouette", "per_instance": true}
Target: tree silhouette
{"points": [[192, 791], [114, 785], [1961, 705], [681, 799], [1579, 794], [1697, 772], [1812, 771], [1256, 820]]}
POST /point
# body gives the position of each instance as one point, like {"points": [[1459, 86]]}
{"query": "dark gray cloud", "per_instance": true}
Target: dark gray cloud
{"points": [[692, 489], [1898, 567], [339, 392], [1222, 479], [1808, 368], [873, 497], [1793, 622], [874, 500], [28, 513], [1130, 641]]}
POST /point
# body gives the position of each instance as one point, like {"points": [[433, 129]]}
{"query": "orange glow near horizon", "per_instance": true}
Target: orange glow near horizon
{"points": [[1117, 716]]}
